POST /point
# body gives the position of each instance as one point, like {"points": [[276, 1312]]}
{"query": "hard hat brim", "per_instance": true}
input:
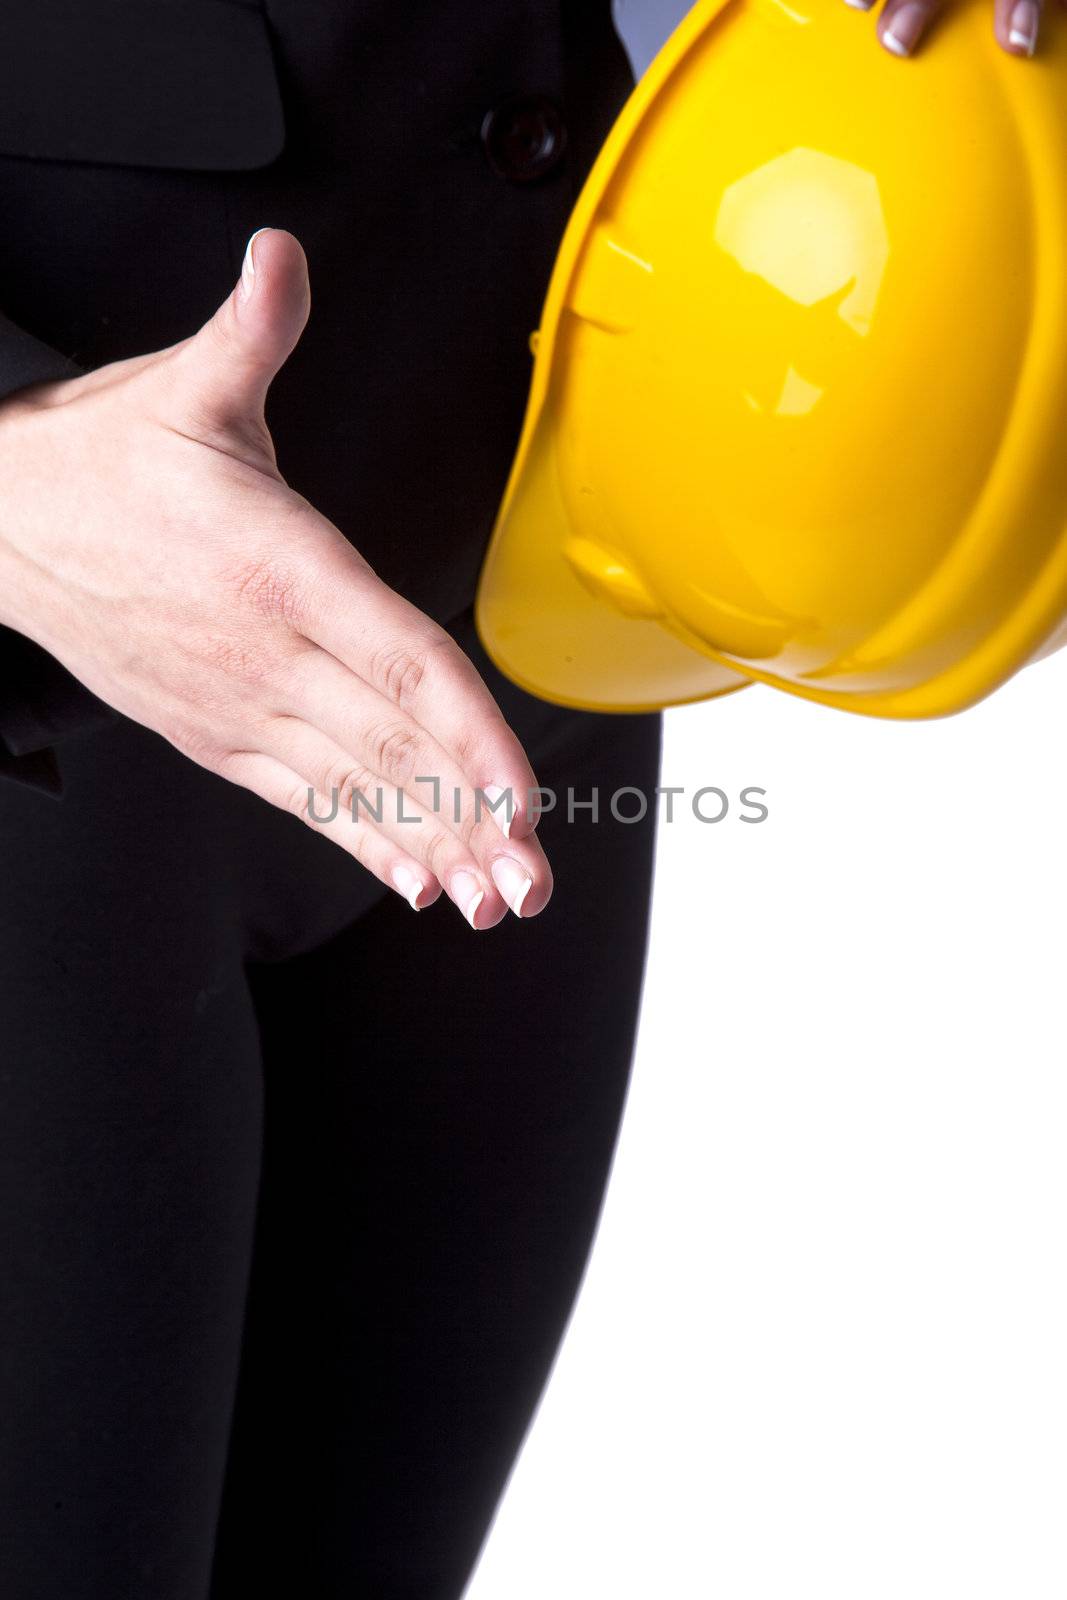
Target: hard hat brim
{"points": [[563, 643]]}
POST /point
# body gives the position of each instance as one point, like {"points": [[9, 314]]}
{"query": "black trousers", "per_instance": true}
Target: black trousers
{"points": [[297, 1185]]}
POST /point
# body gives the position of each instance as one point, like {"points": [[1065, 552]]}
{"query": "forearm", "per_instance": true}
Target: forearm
{"points": [[40, 702]]}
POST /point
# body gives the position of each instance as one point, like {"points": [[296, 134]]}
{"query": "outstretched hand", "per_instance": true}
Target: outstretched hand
{"points": [[150, 543]]}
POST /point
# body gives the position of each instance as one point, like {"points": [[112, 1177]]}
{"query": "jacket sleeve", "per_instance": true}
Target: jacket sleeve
{"points": [[41, 702]]}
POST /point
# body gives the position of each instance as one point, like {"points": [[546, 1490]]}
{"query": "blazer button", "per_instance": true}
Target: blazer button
{"points": [[525, 138]]}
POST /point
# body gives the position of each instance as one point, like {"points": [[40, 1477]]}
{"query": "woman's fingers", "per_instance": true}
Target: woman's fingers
{"points": [[1018, 23], [420, 670], [281, 787], [505, 875], [373, 730], [903, 23]]}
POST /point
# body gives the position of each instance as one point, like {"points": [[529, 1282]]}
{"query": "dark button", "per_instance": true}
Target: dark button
{"points": [[525, 138]]}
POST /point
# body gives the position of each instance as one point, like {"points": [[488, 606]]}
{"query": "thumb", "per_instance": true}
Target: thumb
{"points": [[227, 368]]}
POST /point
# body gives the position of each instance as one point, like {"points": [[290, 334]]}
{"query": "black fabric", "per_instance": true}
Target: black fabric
{"points": [[152, 83], [399, 413], [296, 1186], [25, 360], [42, 706]]}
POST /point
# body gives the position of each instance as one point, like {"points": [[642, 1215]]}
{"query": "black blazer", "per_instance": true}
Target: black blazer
{"points": [[426, 153]]}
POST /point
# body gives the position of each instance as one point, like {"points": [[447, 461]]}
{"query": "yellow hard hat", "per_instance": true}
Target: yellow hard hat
{"points": [[799, 405]]}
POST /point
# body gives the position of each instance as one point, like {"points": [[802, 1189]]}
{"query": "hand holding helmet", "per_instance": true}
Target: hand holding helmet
{"points": [[903, 24]]}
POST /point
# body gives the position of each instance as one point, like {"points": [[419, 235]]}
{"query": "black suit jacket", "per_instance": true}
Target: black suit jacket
{"points": [[427, 154]]}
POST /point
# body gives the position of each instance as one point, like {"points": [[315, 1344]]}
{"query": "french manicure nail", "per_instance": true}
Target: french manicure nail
{"points": [[904, 31], [248, 265], [1025, 19], [468, 894], [409, 884], [513, 882], [502, 815]]}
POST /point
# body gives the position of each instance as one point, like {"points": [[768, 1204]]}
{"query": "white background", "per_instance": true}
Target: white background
{"points": [[821, 1349]]}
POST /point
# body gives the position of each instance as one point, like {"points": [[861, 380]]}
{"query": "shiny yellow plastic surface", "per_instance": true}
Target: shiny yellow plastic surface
{"points": [[799, 407]]}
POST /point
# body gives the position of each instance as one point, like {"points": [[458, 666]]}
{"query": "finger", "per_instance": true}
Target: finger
{"points": [[281, 787], [516, 876], [223, 373], [418, 668], [903, 23], [1017, 24], [323, 692]]}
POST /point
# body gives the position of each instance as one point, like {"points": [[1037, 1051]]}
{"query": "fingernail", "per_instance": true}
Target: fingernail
{"points": [[248, 266], [468, 894], [410, 885], [1025, 19], [502, 815], [904, 31], [860, 5], [513, 882]]}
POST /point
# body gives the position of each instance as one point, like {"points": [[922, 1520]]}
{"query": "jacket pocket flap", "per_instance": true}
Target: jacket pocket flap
{"points": [[141, 83]]}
